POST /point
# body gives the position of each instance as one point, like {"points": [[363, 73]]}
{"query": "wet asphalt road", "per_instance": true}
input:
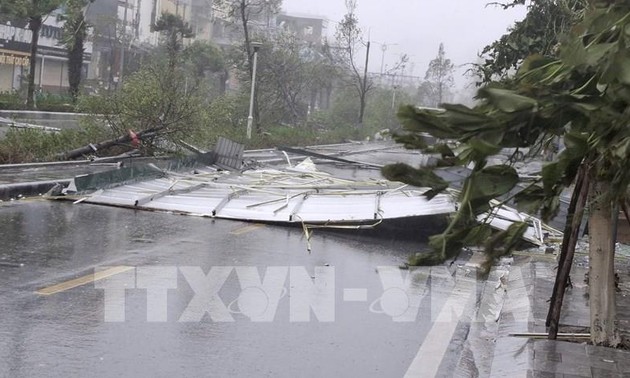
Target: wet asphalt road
{"points": [[348, 332]]}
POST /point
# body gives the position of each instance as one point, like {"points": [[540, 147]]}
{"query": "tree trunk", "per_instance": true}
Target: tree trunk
{"points": [[34, 24], [361, 109], [92, 148], [75, 60], [575, 214], [602, 268]]}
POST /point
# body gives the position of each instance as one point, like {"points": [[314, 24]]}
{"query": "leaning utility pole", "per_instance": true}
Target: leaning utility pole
{"points": [[122, 46], [364, 88]]}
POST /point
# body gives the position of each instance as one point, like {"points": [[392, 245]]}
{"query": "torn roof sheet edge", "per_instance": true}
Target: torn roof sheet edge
{"points": [[271, 195], [298, 194]]}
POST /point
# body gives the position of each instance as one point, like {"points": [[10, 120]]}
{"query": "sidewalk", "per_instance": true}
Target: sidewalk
{"points": [[521, 306]]}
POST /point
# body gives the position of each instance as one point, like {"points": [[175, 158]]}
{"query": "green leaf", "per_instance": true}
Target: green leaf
{"points": [[504, 242], [618, 69], [494, 181], [478, 235], [483, 146], [621, 150], [551, 176], [573, 53], [506, 100], [596, 52], [425, 121], [576, 144], [550, 207], [465, 119], [411, 140], [451, 244], [530, 199], [421, 177], [486, 184], [444, 150]]}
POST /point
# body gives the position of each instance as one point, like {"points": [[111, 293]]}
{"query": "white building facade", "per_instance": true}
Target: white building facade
{"points": [[51, 61]]}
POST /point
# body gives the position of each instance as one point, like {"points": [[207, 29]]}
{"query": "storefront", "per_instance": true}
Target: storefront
{"points": [[51, 66], [12, 66]]}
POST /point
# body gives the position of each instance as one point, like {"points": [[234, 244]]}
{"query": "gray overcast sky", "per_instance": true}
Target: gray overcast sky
{"points": [[416, 27]]}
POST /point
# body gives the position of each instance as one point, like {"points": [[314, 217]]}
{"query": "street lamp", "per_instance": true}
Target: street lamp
{"points": [[250, 118]]}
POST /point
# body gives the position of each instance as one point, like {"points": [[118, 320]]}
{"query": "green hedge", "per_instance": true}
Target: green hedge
{"points": [[46, 102]]}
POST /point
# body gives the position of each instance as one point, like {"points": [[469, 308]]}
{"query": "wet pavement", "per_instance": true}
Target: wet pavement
{"points": [[366, 318], [104, 291], [521, 305]]}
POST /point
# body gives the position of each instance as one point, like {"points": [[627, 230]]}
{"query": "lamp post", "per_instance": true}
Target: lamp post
{"points": [[250, 118]]}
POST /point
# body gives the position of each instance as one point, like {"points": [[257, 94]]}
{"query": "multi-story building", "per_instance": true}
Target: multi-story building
{"points": [[51, 61], [119, 25], [123, 30], [307, 28]]}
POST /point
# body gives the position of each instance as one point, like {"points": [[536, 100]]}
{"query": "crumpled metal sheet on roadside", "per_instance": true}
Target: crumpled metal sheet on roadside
{"points": [[290, 195], [299, 194]]}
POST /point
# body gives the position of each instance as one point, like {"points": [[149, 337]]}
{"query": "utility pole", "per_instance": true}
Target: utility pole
{"points": [[383, 48], [364, 85], [367, 59], [122, 46]]}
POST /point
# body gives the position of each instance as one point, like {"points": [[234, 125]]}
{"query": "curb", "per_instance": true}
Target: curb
{"points": [[28, 189]]}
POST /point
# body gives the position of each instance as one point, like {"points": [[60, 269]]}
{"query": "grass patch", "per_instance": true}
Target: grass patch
{"points": [[29, 145]]}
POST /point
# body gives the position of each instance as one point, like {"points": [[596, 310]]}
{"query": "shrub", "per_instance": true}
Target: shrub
{"points": [[11, 100], [49, 102]]}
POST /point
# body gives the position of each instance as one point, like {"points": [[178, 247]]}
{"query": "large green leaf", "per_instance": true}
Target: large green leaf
{"points": [[486, 184], [530, 199], [506, 100], [494, 181], [411, 140], [478, 235], [618, 69], [463, 118], [425, 121], [421, 177]]}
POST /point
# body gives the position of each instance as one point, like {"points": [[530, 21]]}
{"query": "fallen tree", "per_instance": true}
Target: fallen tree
{"points": [[131, 138]]}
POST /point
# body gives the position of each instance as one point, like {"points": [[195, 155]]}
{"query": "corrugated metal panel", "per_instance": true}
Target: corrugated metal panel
{"points": [[277, 196], [295, 196], [229, 154]]}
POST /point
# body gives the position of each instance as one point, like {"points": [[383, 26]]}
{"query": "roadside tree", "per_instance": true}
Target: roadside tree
{"points": [[75, 32], [34, 12], [438, 80], [582, 95], [538, 33], [174, 30], [349, 44], [246, 14]]}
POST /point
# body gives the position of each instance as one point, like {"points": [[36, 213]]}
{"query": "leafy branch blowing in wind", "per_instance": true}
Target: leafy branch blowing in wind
{"points": [[582, 95]]}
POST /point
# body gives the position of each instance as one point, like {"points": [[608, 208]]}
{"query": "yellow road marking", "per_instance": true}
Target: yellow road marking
{"points": [[71, 284], [246, 229]]}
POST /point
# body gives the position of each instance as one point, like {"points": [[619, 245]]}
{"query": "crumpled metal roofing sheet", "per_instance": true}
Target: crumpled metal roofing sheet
{"points": [[277, 196]]}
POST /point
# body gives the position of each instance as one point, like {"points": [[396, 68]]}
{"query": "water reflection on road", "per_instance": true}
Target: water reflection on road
{"points": [[66, 333]]}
